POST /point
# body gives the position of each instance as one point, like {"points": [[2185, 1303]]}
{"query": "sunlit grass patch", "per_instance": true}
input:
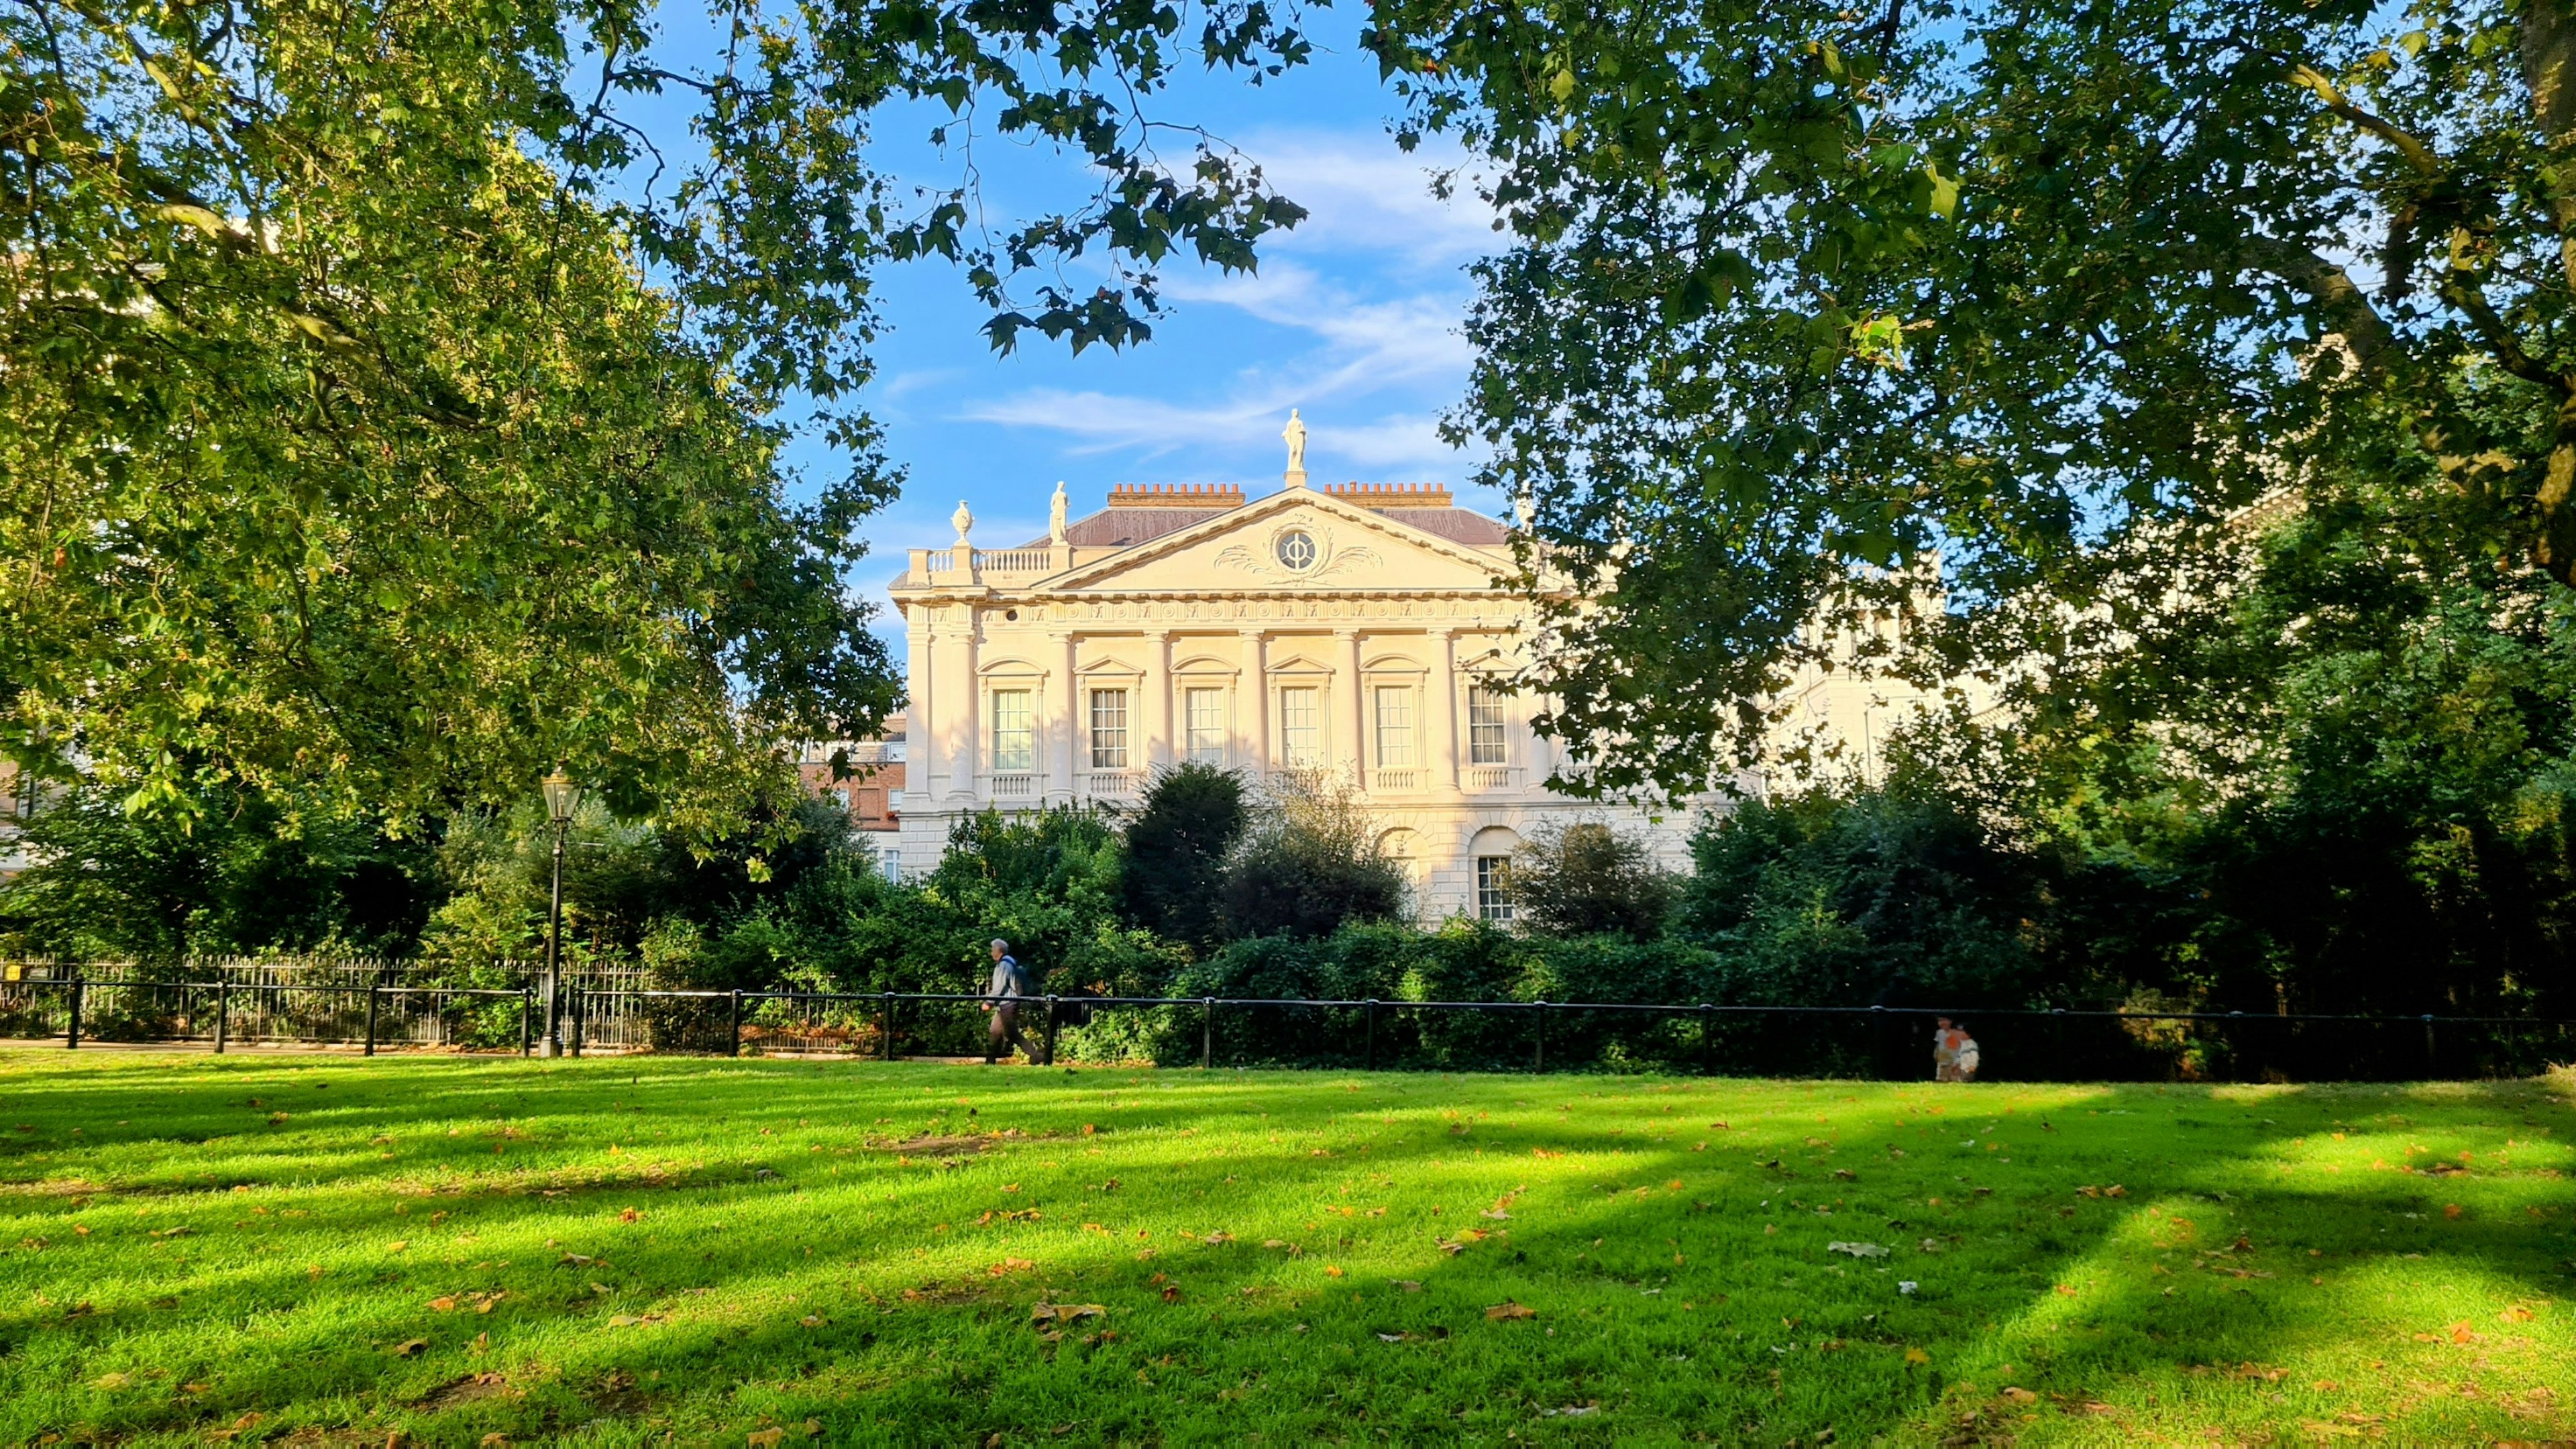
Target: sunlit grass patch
{"points": [[619, 1251]]}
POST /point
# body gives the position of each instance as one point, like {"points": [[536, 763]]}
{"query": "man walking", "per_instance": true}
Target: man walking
{"points": [[1003, 994]]}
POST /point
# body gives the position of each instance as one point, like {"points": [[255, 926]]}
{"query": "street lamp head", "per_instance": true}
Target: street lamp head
{"points": [[561, 796]]}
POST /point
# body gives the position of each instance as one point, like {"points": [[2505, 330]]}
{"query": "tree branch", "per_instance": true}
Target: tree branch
{"points": [[2343, 304], [2417, 154]]}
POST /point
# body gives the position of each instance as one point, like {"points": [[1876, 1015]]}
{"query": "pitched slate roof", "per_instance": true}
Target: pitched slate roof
{"points": [[1127, 527]]}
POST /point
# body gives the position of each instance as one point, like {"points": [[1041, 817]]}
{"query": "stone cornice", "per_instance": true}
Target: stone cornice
{"points": [[1371, 613], [1020, 592], [1284, 501]]}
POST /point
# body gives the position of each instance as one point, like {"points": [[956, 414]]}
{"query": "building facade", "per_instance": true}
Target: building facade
{"points": [[1355, 631], [864, 777]]}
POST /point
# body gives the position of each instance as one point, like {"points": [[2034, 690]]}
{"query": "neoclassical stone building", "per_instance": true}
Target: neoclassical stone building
{"points": [[1351, 628]]}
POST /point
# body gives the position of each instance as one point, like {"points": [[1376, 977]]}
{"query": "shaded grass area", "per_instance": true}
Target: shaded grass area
{"points": [[619, 1252]]}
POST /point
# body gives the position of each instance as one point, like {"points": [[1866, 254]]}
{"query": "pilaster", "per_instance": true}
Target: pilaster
{"points": [[1256, 700], [1159, 749], [1355, 713], [1064, 723], [1443, 706]]}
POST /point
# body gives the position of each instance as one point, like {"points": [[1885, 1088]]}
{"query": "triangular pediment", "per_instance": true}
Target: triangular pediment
{"points": [[1298, 541]]}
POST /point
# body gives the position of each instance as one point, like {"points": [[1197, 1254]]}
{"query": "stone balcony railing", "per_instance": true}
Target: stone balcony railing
{"points": [[1011, 785], [961, 565]]}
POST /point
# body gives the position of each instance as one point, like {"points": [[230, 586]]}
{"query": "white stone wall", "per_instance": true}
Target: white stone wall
{"points": [[1385, 635]]}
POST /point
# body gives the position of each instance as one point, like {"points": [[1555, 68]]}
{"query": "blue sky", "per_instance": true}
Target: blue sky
{"points": [[1353, 317]]}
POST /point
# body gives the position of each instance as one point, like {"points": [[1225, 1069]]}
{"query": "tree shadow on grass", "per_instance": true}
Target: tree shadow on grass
{"points": [[1782, 1337]]}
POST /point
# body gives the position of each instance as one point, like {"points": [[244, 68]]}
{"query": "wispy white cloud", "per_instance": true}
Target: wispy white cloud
{"points": [[1354, 318], [1362, 193], [1153, 429], [1371, 343]]}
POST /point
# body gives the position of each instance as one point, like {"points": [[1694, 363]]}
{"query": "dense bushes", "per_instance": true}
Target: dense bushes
{"points": [[1586, 878], [1874, 900], [1308, 862], [252, 873]]}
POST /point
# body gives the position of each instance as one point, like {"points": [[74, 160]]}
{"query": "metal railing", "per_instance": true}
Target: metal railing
{"points": [[1871, 1041]]}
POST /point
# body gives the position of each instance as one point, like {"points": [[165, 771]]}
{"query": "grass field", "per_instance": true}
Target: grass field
{"points": [[327, 1250]]}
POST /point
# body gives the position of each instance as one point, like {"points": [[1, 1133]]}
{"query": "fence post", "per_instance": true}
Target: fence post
{"points": [[223, 1007], [1207, 1033], [1538, 1040], [71, 1039], [1050, 1048], [733, 1033], [527, 1020], [580, 1015], [374, 991], [2432, 1057], [885, 1025], [1371, 1058]]}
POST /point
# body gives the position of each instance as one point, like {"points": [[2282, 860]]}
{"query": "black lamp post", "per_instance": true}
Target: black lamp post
{"points": [[561, 796]]}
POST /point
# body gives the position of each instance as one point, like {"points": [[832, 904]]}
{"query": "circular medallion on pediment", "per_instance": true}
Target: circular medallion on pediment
{"points": [[1296, 550]]}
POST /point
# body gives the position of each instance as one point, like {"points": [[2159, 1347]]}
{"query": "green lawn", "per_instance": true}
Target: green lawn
{"points": [[330, 1250]]}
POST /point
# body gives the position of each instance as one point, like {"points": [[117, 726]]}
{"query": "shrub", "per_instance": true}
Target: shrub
{"points": [[1308, 863], [1874, 900], [1586, 879], [1176, 851]]}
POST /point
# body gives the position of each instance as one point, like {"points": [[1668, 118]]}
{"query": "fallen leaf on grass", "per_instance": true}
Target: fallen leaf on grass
{"points": [[1916, 1355], [764, 1438], [397, 1245], [2021, 1396], [1008, 1266], [443, 1304], [113, 1381], [1511, 1310], [631, 1320], [1050, 1313], [408, 1347], [2516, 1314], [1571, 1411], [1408, 1285], [1857, 1250]]}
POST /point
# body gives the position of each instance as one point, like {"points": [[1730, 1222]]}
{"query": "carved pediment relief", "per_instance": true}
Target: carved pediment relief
{"points": [[1297, 542]]}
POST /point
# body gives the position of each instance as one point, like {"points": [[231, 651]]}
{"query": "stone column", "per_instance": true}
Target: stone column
{"points": [[923, 718], [1063, 727], [1255, 703], [1357, 710], [962, 741], [1160, 745], [1442, 707]]}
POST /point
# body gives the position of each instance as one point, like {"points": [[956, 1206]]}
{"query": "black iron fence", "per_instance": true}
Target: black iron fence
{"points": [[1871, 1041]]}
